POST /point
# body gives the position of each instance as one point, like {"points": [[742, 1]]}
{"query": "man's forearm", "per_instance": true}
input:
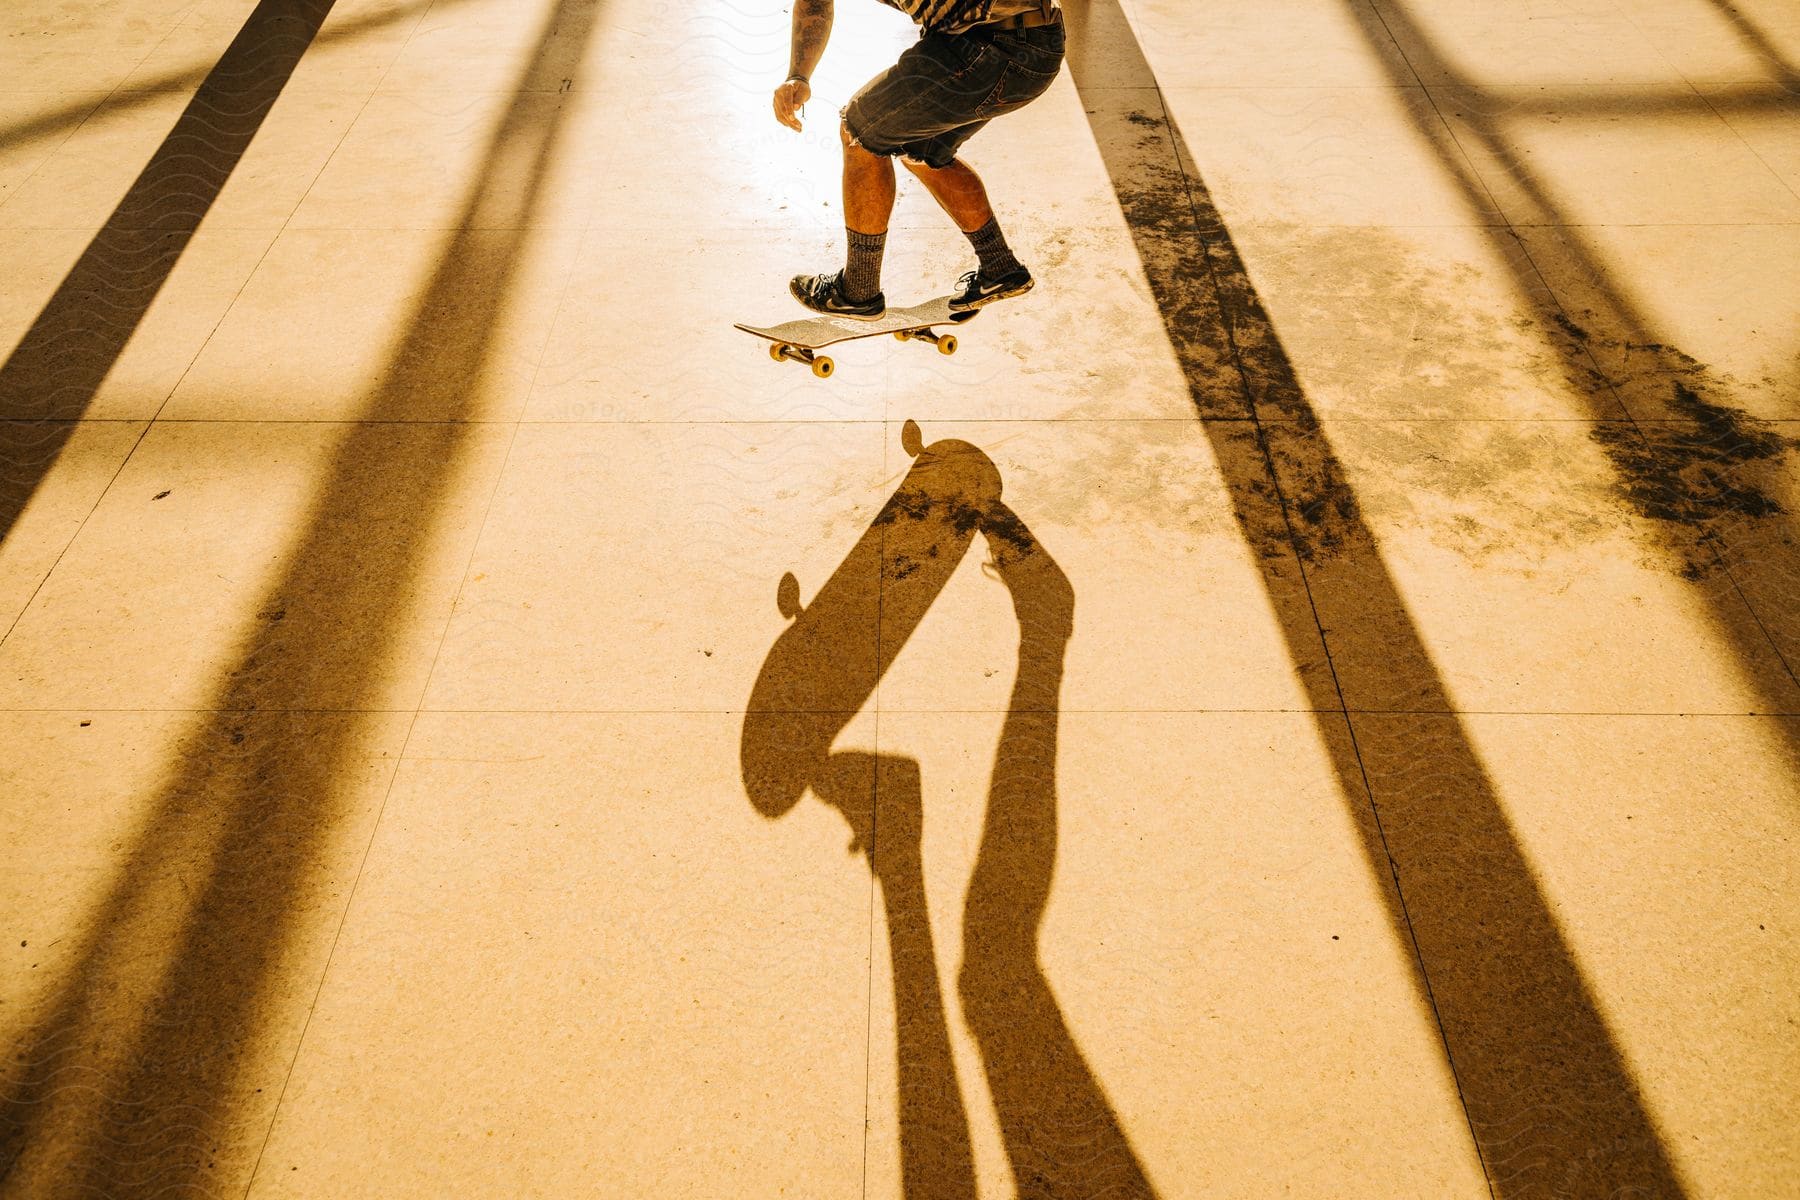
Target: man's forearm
{"points": [[812, 29]]}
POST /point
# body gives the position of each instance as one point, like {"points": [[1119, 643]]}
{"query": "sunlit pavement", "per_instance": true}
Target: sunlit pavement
{"points": [[1302, 704]]}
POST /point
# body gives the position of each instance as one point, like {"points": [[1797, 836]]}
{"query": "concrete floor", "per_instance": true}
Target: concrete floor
{"points": [[1322, 701]]}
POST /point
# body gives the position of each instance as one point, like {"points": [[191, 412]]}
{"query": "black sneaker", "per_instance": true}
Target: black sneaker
{"points": [[978, 289], [825, 294]]}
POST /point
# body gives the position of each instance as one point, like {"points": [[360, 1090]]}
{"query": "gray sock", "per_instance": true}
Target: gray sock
{"points": [[990, 246], [862, 268]]}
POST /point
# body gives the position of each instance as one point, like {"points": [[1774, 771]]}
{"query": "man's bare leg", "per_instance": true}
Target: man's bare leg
{"points": [[958, 189], [868, 203], [868, 187]]}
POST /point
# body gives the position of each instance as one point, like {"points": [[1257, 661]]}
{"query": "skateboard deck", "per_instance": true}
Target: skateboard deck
{"points": [[800, 341]]}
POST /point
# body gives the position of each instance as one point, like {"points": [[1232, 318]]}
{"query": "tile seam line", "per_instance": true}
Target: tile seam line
{"points": [[1745, 142], [1717, 545], [1326, 416], [143, 435], [516, 425], [725, 233], [1648, 224], [162, 406], [400, 757], [13, 625], [1418, 952], [287, 223], [337, 933], [1696, 714], [399, 761], [1714, 542], [1694, 85], [44, 579], [101, 103], [238, 294], [875, 833], [1242, 224]]}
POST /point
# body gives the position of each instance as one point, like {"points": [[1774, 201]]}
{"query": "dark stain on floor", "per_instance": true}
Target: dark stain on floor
{"points": [[1687, 459], [1690, 471]]}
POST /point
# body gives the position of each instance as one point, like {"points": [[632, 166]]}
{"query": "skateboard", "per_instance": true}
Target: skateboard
{"points": [[800, 341]]}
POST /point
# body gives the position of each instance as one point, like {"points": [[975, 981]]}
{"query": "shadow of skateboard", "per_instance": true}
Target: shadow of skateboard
{"points": [[827, 662], [800, 341]]}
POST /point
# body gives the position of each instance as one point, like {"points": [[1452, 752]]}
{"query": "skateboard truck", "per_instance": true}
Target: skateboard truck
{"points": [[945, 342], [821, 364]]}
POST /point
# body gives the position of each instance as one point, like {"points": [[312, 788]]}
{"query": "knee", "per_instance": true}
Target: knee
{"points": [[855, 153], [853, 148]]}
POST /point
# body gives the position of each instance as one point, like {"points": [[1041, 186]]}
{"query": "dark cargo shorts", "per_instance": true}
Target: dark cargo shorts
{"points": [[947, 86]]}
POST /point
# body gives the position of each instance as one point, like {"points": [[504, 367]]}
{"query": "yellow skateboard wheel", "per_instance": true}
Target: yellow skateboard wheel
{"points": [[947, 344], [822, 367], [777, 351], [901, 335]]}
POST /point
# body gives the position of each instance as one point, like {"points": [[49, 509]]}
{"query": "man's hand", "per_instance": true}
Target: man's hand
{"points": [[790, 98]]}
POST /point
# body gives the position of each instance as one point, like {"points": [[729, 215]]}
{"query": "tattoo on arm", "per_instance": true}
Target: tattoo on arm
{"points": [[812, 29]]}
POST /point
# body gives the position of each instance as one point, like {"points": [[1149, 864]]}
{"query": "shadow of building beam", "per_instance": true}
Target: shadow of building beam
{"points": [[1549, 1100], [170, 83], [139, 1070], [1760, 44], [53, 374], [1688, 463], [1744, 99]]}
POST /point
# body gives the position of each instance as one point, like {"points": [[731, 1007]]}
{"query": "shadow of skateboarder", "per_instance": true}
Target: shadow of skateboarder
{"points": [[1061, 1135]]}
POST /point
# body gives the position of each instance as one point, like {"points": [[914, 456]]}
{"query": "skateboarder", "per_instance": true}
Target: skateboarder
{"points": [[975, 60]]}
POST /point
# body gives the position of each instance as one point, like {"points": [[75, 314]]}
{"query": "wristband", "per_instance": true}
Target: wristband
{"points": [[799, 79]]}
